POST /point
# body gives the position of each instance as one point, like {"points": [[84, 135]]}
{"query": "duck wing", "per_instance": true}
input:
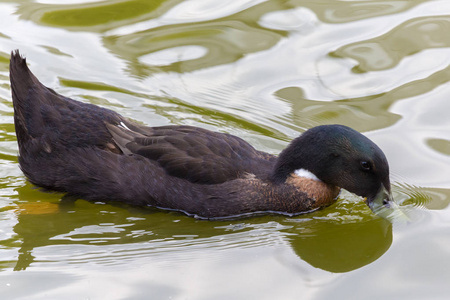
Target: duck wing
{"points": [[195, 154]]}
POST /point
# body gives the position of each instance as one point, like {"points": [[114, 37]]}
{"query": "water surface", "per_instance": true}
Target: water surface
{"points": [[265, 71]]}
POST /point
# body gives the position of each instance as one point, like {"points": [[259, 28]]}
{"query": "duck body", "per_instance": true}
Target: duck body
{"points": [[96, 154]]}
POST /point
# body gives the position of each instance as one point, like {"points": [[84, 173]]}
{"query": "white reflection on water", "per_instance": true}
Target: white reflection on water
{"points": [[297, 20], [202, 10], [172, 55], [189, 12], [424, 117], [67, 1]]}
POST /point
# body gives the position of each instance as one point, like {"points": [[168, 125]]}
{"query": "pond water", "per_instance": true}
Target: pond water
{"points": [[265, 71]]}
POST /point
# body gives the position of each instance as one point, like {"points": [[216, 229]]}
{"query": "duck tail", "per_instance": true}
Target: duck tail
{"points": [[18, 73], [21, 78], [24, 87], [29, 99]]}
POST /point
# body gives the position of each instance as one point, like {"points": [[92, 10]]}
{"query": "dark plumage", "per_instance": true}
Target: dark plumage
{"points": [[96, 154]]}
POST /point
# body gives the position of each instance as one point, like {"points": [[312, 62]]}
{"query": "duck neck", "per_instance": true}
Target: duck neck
{"points": [[287, 163], [301, 153]]}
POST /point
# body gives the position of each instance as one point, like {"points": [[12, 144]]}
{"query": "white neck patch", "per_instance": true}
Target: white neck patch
{"points": [[306, 174]]}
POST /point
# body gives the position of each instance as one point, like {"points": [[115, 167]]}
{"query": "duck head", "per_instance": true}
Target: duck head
{"points": [[340, 156]]}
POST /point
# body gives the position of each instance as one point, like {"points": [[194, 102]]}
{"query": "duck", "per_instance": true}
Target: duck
{"points": [[93, 153]]}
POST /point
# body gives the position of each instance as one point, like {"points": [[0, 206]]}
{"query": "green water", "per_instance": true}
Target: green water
{"points": [[265, 71]]}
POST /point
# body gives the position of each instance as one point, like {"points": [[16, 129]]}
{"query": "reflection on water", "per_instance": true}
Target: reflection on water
{"points": [[98, 16], [225, 41], [359, 110], [409, 38], [336, 12], [354, 235], [439, 145], [343, 247], [95, 14], [263, 70]]}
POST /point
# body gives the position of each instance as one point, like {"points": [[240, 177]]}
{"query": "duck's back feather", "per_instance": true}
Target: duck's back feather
{"points": [[195, 154]]}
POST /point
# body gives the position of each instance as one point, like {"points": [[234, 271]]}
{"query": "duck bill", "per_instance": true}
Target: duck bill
{"points": [[382, 199], [383, 205]]}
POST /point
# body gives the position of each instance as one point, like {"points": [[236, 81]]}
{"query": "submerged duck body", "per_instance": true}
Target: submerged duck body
{"points": [[96, 154]]}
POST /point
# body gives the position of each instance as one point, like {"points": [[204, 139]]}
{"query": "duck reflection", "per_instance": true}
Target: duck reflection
{"points": [[341, 238], [342, 247]]}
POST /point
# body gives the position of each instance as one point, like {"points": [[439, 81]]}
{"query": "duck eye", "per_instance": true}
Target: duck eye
{"points": [[366, 166]]}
